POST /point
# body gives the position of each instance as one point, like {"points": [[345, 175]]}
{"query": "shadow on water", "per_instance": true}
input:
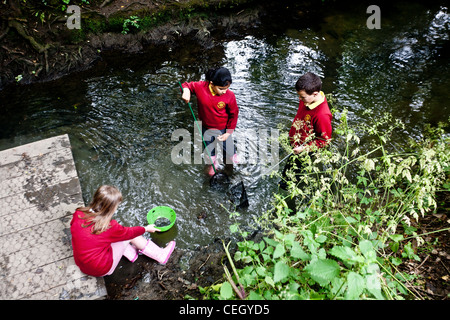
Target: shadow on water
{"points": [[121, 115]]}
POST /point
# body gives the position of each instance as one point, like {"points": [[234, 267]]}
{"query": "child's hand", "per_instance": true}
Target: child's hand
{"points": [[151, 228], [186, 96], [299, 149], [223, 137]]}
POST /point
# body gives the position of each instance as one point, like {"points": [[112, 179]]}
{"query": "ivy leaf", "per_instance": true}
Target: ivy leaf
{"points": [[355, 285], [323, 270], [281, 272]]}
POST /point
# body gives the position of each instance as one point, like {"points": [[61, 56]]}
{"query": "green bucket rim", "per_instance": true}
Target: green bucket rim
{"points": [[162, 212]]}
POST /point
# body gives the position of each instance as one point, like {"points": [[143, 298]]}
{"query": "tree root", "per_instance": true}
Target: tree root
{"points": [[105, 3], [20, 29], [4, 34]]}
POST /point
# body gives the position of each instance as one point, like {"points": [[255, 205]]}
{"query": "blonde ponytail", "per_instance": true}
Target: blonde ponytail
{"points": [[100, 211]]}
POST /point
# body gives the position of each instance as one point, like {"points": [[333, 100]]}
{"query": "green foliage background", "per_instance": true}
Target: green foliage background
{"points": [[351, 227]]}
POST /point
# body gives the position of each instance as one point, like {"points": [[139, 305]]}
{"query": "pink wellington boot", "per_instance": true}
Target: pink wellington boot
{"points": [[131, 253], [234, 159], [161, 255], [211, 171]]}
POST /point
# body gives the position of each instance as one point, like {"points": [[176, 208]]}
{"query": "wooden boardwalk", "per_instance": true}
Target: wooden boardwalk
{"points": [[39, 191]]}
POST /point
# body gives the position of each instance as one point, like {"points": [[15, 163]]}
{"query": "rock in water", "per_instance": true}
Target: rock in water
{"points": [[162, 222]]}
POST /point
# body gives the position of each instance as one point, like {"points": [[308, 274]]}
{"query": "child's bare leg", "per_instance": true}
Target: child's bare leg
{"points": [[139, 242]]}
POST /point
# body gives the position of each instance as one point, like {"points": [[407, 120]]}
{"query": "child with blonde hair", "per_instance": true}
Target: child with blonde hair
{"points": [[99, 242]]}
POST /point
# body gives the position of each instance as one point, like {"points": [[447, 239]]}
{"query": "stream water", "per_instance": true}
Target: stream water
{"points": [[121, 115]]}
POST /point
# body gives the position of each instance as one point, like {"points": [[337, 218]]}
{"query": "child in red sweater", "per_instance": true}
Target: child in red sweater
{"points": [[217, 109], [98, 242], [311, 127]]}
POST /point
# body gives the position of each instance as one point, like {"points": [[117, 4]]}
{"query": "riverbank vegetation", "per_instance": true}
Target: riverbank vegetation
{"points": [[354, 228], [38, 43]]}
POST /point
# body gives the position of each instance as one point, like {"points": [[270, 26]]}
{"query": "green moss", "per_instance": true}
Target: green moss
{"points": [[93, 23], [77, 36], [115, 24]]}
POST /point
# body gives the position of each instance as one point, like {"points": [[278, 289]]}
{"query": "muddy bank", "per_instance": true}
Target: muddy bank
{"points": [[37, 45], [180, 278]]}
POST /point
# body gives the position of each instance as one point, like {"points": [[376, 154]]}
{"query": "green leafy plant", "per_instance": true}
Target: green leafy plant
{"points": [[351, 227], [131, 22]]}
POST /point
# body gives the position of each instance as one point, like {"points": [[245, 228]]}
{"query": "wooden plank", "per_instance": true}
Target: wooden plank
{"points": [[39, 191]]}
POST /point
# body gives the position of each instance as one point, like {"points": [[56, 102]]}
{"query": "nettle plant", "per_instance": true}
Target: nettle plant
{"points": [[351, 227]]}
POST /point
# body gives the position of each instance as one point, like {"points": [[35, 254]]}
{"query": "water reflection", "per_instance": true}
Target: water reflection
{"points": [[401, 74]]}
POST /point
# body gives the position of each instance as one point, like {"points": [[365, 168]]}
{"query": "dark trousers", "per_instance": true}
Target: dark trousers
{"points": [[210, 136]]}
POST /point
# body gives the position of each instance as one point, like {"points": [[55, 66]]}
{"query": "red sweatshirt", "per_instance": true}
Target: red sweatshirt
{"points": [[308, 121], [93, 252], [215, 112]]}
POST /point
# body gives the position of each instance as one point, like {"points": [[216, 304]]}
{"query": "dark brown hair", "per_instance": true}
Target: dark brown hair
{"points": [[309, 82]]}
